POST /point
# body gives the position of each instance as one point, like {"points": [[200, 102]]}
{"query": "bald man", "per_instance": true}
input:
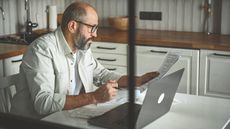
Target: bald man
{"points": [[58, 70]]}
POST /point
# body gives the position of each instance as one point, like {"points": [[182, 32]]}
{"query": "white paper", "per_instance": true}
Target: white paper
{"points": [[86, 112], [170, 59], [98, 109]]}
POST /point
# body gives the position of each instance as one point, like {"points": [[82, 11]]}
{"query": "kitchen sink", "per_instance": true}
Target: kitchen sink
{"points": [[22, 39], [12, 40]]}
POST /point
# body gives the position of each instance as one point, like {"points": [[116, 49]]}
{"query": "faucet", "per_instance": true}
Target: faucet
{"points": [[29, 23], [3, 13]]}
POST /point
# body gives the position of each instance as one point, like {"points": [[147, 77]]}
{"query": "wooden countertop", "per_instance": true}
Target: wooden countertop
{"points": [[9, 50], [191, 40]]}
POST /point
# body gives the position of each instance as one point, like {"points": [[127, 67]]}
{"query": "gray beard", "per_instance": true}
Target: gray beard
{"points": [[81, 43]]}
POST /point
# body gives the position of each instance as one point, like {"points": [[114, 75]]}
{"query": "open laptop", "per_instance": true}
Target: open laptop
{"points": [[157, 102]]}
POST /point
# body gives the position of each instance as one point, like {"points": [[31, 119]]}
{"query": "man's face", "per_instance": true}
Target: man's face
{"points": [[80, 41], [86, 31]]}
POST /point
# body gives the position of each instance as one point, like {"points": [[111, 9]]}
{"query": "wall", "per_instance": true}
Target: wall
{"points": [[15, 14], [177, 15]]}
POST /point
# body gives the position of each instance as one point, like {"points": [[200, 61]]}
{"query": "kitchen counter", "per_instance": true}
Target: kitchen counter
{"points": [[191, 40], [9, 50]]}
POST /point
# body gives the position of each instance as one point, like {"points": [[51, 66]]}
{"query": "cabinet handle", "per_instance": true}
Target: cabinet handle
{"points": [[216, 54], [112, 69], [103, 59], [15, 61], [158, 51], [108, 48]]}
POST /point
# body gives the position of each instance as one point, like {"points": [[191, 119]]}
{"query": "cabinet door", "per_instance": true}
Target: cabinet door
{"points": [[150, 59], [11, 65], [215, 73], [111, 55], [1, 68]]}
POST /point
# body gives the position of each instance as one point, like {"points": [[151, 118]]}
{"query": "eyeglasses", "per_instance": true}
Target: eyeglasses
{"points": [[93, 27]]}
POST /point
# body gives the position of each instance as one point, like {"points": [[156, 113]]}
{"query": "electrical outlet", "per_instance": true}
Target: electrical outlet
{"points": [[150, 15]]}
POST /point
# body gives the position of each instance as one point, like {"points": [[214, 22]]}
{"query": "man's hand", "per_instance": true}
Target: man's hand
{"points": [[145, 78], [123, 81], [106, 92]]}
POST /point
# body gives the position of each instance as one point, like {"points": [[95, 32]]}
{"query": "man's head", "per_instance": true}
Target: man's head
{"points": [[79, 24]]}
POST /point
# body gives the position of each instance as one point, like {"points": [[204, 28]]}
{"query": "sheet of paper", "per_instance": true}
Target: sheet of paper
{"points": [[86, 112], [98, 109], [170, 59]]}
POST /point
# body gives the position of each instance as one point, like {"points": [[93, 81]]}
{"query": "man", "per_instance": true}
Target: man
{"points": [[57, 66]]}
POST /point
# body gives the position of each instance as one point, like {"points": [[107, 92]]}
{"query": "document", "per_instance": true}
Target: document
{"points": [[170, 59], [100, 108], [86, 112]]}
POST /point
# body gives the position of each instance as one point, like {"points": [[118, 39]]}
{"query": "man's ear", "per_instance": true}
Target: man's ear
{"points": [[72, 26]]}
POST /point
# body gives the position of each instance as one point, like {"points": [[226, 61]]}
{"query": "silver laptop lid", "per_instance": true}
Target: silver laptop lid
{"points": [[159, 98]]}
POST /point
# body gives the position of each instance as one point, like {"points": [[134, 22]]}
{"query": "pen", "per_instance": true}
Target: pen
{"points": [[99, 83]]}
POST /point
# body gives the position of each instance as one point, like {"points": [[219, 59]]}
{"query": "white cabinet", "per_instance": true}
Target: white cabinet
{"points": [[111, 55], [149, 58], [1, 68], [215, 73], [8, 67], [11, 65]]}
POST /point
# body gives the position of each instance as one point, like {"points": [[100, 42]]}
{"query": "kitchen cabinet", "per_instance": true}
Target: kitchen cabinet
{"points": [[149, 58], [1, 68], [111, 55], [215, 73], [11, 65]]}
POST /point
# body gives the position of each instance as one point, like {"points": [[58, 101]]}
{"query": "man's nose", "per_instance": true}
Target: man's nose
{"points": [[94, 34]]}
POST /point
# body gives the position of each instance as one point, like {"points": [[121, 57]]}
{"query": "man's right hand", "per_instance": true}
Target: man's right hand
{"points": [[106, 92]]}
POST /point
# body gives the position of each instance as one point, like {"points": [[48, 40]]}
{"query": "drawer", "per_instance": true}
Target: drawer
{"points": [[11, 65], [108, 47], [151, 50], [161, 51], [120, 69], [111, 59]]}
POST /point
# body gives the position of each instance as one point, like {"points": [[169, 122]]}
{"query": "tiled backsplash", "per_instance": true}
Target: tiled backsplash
{"points": [[177, 15]]}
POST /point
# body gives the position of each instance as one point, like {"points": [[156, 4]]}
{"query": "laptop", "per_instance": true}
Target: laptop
{"points": [[157, 102]]}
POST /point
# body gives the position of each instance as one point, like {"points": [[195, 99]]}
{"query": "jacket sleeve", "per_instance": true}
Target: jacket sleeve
{"points": [[40, 76], [102, 74]]}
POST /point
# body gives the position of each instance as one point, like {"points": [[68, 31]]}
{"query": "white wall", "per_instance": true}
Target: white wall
{"points": [[177, 15]]}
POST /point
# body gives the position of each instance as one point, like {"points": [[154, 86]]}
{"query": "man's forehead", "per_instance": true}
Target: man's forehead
{"points": [[91, 16]]}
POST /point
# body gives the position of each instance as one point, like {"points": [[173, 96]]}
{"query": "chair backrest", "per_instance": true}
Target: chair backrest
{"points": [[7, 91]]}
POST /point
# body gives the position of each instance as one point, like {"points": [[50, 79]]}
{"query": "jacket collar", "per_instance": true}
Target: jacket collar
{"points": [[62, 41]]}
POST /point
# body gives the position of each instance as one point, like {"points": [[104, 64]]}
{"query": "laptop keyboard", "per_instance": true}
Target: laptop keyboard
{"points": [[116, 118], [123, 122]]}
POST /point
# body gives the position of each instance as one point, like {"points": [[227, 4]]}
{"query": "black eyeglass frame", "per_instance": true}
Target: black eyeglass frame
{"points": [[93, 27]]}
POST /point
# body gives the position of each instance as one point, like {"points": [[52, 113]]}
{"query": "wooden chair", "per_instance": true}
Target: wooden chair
{"points": [[7, 91]]}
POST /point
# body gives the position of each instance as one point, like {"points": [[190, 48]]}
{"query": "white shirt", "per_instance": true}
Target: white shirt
{"points": [[76, 84]]}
